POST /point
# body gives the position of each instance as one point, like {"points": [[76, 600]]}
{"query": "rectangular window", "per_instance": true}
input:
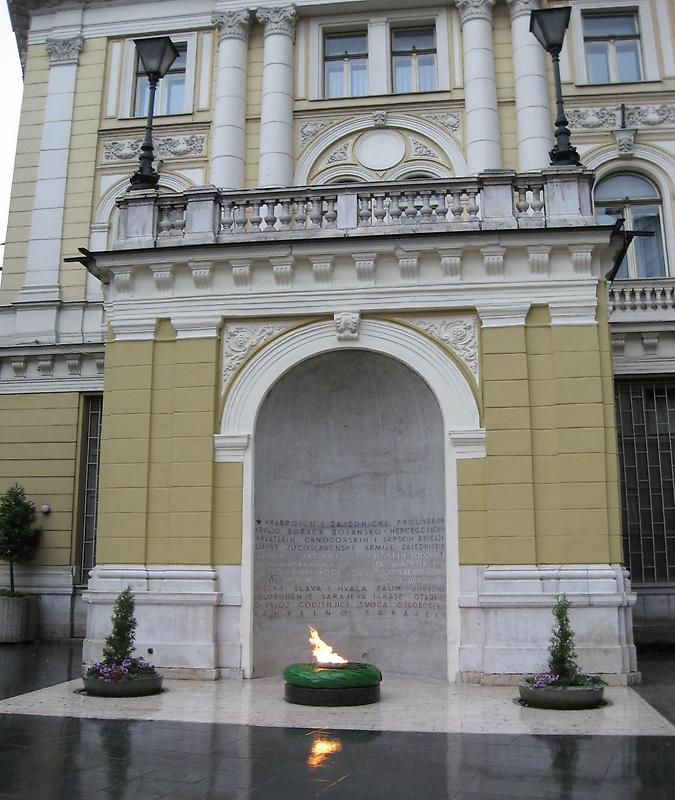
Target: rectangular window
{"points": [[345, 64], [612, 47], [413, 59], [645, 414], [170, 96], [91, 441]]}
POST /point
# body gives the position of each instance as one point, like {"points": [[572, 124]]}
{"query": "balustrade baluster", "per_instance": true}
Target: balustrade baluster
{"points": [[256, 219], [300, 213], [394, 209], [472, 206], [426, 210], [365, 214], [239, 214], [442, 206], [315, 212], [164, 220], [379, 211], [521, 203], [537, 202], [284, 216], [226, 218], [270, 214], [330, 217], [456, 208]]}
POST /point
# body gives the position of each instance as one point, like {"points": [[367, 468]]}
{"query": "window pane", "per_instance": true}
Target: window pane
{"points": [[597, 61], [334, 80], [141, 99], [337, 44], [419, 38], [358, 69], [628, 61], [625, 186], [180, 63], [174, 89], [426, 72], [402, 73], [609, 25], [648, 250], [608, 216]]}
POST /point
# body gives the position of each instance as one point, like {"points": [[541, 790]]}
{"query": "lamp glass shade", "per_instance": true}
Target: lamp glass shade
{"points": [[549, 25], [156, 54]]}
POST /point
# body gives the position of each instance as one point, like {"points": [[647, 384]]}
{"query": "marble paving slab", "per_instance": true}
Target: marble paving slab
{"points": [[407, 705]]}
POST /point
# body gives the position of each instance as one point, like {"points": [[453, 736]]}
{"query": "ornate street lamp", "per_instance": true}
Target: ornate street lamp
{"points": [[156, 56], [548, 26]]}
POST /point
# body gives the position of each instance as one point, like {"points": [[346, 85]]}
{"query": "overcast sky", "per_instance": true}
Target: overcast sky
{"points": [[11, 88]]}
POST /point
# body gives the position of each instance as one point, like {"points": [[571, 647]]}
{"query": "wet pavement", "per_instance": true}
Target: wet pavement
{"points": [[27, 667], [66, 758]]}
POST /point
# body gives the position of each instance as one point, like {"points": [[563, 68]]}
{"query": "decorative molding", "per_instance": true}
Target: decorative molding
{"points": [[448, 119], [650, 116], [625, 141], [232, 25], [582, 258], [460, 334], [493, 259], [228, 449], [51, 368], [365, 267], [422, 150], [278, 20], [45, 366], [309, 130], [618, 344], [162, 275], [520, 8], [408, 264], [474, 9], [283, 270], [468, 444], [503, 316], [538, 257], [123, 280], [196, 324], [322, 268], [19, 366], [340, 153], [74, 363], [99, 361], [64, 51], [379, 118], [650, 342], [578, 311], [347, 325], [451, 262], [202, 275], [184, 146], [241, 272], [241, 339]]}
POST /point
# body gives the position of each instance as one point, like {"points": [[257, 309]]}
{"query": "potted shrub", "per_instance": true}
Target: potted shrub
{"points": [[119, 673], [563, 686], [18, 540]]}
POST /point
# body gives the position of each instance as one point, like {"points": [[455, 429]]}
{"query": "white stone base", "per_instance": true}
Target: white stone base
{"points": [[58, 598], [506, 619], [188, 616]]}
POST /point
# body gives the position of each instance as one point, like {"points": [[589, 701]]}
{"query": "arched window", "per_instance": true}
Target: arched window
{"points": [[638, 201]]}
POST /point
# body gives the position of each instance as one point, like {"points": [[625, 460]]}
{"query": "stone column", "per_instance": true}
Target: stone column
{"points": [[44, 246], [534, 123], [228, 148], [480, 87], [277, 163]]}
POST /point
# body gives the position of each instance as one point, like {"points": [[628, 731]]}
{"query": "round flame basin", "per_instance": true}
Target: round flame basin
{"points": [[352, 684]]}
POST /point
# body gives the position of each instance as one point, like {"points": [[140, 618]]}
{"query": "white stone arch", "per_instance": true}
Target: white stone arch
{"points": [[347, 172], [436, 133], [463, 435], [652, 163], [415, 168], [104, 212]]}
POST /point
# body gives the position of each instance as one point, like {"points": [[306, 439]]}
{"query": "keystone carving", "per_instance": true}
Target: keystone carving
{"points": [[347, 325]]}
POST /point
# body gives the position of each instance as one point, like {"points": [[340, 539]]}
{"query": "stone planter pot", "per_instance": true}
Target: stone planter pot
{"points": [[131, 687], [19, 618], [561, 698]]}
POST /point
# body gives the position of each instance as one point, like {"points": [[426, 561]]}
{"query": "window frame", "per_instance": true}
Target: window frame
{"points": [[574, 52], [346, 72], [611, 41], [626, 205], [127, 108], [87, 523], [413, 53]]}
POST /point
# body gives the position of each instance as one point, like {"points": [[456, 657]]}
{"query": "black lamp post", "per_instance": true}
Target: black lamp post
{"points": [[156, 55], [548, 26]]}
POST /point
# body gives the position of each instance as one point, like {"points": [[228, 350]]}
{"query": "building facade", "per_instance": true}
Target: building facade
{"points": [[354, 363]]}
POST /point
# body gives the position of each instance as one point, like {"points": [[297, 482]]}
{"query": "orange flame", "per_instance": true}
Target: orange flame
{"points": [[321, 749], [323, 652]]}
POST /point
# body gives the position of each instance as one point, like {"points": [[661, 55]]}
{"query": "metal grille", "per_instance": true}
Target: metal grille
{"points": [[93, 407], [646, 433]]}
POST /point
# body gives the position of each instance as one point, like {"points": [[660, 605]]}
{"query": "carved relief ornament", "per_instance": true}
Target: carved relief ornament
{"points": [[519, 8], [474, 9], [165, 147], [232, 25], [240, 339], [277, 20], [310, 129], [64, 51], [460, 334]]}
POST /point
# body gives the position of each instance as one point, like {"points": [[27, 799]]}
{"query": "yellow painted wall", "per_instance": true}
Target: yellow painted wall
{"points": [[253, 100], [38, 449], [81, 165], [25, 171], [162, 498], [547, 491]]}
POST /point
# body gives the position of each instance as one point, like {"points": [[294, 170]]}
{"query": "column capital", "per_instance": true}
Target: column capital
{"points": [[64, 51], [474, 9], [278, 20], [520, 8], [232, 24]]}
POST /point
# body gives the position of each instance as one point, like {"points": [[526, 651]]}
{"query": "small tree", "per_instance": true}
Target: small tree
{"points": [[120, 644], [18, 533], [561, 652]]}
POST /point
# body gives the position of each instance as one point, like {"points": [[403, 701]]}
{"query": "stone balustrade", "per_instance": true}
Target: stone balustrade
{"points": [[494, 200], [642, 297]]}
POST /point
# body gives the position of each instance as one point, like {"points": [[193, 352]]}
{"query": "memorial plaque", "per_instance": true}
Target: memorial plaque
{"points": [[349, 503]]}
